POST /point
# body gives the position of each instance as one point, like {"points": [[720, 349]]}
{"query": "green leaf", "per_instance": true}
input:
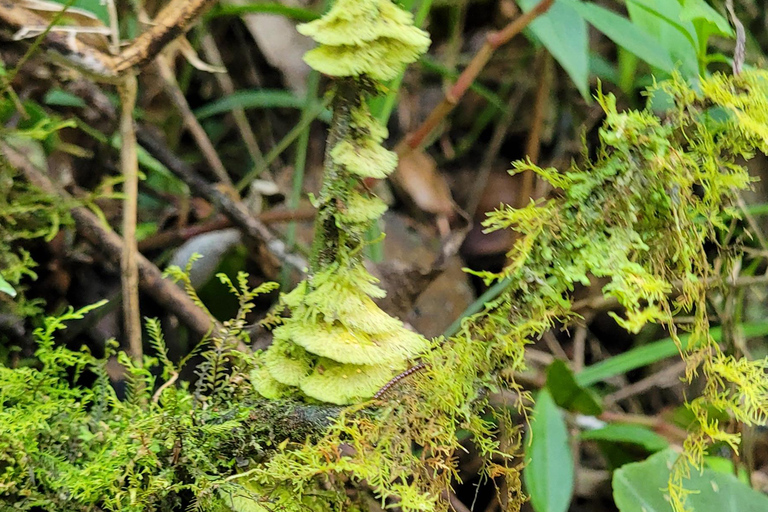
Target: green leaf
{"points": [[567, 393], [63, 98], [96, 8], [641, 487], [622, 433], [262, 98], [563, 33], [549, 473], [662, 20], [5, 287], [295, 13], [706, 21], [723, 465], [699, 11], [625, 34], [651, 353]]}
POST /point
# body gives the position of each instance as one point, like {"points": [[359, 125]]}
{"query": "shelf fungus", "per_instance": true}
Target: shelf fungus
{"points": [[337, 345]]}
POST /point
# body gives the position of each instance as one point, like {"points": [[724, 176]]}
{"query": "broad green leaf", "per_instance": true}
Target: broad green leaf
{"points": [[563, 33], [603, 69], [701, 11], [723, 465], [63, 98], [5, 287], [634, 434], [95, 8], [651, 353], [567, 393], [295, 13], [662, 20], [706, 21], [625, 34], [549, 474], [641, 487]]}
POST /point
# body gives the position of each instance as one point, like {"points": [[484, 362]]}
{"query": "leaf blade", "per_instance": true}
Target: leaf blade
{"points": [[548, 475], [624, 33], [563, 32], [639, 487]]}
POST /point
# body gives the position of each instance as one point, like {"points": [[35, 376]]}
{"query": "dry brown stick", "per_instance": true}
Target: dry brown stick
{"points": [[468, 76], [129, 163], [492, 152], [601, 302], [579, 344], [173, 21], [533, 144], [90, 227], [212, 54], [544, 68], [455, 502], [554, 346], [662, 378], [191, 123], [754, 226], [271, 249], [173, 236], [656, 423], [14, 18]]}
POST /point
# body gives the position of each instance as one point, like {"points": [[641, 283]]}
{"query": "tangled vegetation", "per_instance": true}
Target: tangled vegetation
{"points": [[639, 215], [301, 426]]}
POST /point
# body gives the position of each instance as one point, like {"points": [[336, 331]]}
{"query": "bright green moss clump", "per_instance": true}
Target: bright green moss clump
{"points": [[338, 346]]}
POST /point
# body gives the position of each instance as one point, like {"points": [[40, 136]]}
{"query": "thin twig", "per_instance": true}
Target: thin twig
{"points": [[533, 144], [579, 345], [212, 54], [129, 162], [754, 226], [270, 249], [307, 117], [656, 423], [114, 29], [497, 139], [739, 53], [468, 76], [554, 346], [191, 123], [175, 236], [456, 503], [173, 21], [663, 378], [170, 382]]}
